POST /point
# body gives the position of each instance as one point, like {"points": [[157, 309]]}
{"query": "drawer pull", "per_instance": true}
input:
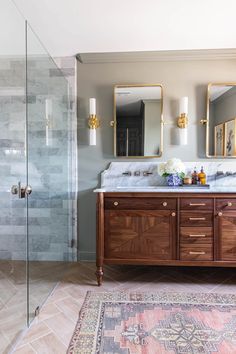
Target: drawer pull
{"points": [[116, 203], [197, 218], [173, 214], [229, 204], [164, 204], [220, 213], [197, 235], [197, 252], [197, 204]]}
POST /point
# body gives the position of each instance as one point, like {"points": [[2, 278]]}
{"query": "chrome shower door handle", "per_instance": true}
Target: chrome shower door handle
{"points": [[17, 189], [28, 190]]}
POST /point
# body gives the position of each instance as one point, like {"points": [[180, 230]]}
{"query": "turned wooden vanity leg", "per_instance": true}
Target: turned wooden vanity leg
{"points": [[99, 275], [100, 238]]}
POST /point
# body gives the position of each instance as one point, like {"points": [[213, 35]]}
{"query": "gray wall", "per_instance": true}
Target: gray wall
{"points": [[225, 107], [179, 78]]}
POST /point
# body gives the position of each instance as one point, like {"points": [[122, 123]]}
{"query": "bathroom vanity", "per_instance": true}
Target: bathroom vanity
{"points": [[175, 228]]}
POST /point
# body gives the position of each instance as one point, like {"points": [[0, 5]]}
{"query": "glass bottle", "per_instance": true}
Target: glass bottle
{"points": [[194, 176], [202, 177]]}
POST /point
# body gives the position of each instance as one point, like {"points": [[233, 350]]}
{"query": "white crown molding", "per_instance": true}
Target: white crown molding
{"points": [[171, 55]]}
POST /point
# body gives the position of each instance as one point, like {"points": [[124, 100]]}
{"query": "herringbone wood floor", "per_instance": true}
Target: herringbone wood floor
{"points": [[51, 331]]}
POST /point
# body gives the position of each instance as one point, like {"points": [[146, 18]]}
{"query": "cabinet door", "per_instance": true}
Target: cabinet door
{"points": [[144, 234], [226, 227]]}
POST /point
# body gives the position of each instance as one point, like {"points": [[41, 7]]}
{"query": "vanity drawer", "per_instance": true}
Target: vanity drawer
{"points": [[196, 235], [199, 218], [196, 253], [226, 204], [140, 203], [196, 203]]}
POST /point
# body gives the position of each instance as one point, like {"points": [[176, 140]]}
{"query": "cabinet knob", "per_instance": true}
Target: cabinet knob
{"points": [[229, 204], [220, 213], [164, 204], [173, 214], [116, 203]]}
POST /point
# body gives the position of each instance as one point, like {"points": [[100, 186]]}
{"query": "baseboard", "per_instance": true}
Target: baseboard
{"points": [[86, 256]]}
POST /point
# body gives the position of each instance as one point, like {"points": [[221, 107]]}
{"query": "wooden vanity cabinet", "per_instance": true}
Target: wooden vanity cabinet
{"points": [[225, 228], [140, 234], [165, 229]]}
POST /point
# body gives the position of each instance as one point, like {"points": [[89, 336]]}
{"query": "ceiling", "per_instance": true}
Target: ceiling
{"points": [[129, 99], [68, 27]]}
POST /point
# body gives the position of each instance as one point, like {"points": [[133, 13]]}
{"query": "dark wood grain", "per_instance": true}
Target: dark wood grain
{"points": [[196, 252], [140, 234], [140, 229], [226, 228], [100, 238], [196, 235], [140, 203], [226, 204], [196, 203], [196, 218]]}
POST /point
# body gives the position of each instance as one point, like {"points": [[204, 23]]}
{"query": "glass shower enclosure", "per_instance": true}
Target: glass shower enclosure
{"points": [[35, 188]]}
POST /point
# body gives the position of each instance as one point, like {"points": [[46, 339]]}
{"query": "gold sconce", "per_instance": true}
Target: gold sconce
{"points": [[204, 121], [93, 121], [182, 121]]}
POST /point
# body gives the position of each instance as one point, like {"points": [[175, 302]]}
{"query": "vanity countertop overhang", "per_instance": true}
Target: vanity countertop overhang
{"points": [[162, 189]]}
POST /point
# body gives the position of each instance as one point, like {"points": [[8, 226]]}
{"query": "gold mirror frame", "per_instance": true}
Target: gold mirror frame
{"points": [[206, 121], [114, 123]]}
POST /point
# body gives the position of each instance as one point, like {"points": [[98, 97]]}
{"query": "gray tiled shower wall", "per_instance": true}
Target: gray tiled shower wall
{"points": [[51, 168]]}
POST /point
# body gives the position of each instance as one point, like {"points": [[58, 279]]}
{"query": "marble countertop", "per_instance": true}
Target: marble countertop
{"points": [[162, 189]]}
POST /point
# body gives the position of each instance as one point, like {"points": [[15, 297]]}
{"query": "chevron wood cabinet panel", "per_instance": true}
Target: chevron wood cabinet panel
{"points": [[165, 229]]}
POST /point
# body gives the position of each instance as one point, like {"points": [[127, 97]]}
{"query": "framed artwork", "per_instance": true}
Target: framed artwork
{"points": [[230, 138], [219, 140]]}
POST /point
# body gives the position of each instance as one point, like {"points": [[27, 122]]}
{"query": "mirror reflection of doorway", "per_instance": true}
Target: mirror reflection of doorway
{"points": [[130, 132], [138, 119]]}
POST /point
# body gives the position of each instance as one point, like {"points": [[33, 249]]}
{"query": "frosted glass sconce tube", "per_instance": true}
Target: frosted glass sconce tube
{"points": [[182, 122], [93, 121]]}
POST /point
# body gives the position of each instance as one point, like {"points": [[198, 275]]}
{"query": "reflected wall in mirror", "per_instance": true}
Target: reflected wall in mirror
{"points": [[138, 120], [221, 120]]}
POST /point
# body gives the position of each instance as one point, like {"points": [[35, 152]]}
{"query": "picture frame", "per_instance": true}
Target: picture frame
{"points": [[219, 140], [230, 138]]}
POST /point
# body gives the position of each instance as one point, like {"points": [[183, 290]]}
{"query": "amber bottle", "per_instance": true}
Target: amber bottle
{"points": [[194, 176], [202, 177]]}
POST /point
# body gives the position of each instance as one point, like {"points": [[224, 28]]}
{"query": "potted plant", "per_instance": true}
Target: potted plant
{"points": [[173, 170]]}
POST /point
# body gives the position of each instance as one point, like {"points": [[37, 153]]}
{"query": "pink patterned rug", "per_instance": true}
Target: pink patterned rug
{"points": [[144, 323]]}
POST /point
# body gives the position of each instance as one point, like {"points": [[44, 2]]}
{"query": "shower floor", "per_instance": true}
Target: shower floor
{"points": [[43, 276]]}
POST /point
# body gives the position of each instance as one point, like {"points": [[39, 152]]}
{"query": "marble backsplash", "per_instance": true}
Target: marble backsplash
{"points": [[114, 175]]}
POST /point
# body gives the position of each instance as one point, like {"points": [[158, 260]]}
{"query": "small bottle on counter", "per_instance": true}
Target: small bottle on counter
{"points": [[194, 176], [202, 177]]}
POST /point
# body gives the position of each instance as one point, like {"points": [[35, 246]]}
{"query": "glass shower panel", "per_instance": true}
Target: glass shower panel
{"points": [[13, 212], [48, 172]]}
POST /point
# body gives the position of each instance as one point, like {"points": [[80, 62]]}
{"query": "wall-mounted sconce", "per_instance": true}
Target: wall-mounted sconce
{"points": [[182, 121], [93, 121], [48, 115]]}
